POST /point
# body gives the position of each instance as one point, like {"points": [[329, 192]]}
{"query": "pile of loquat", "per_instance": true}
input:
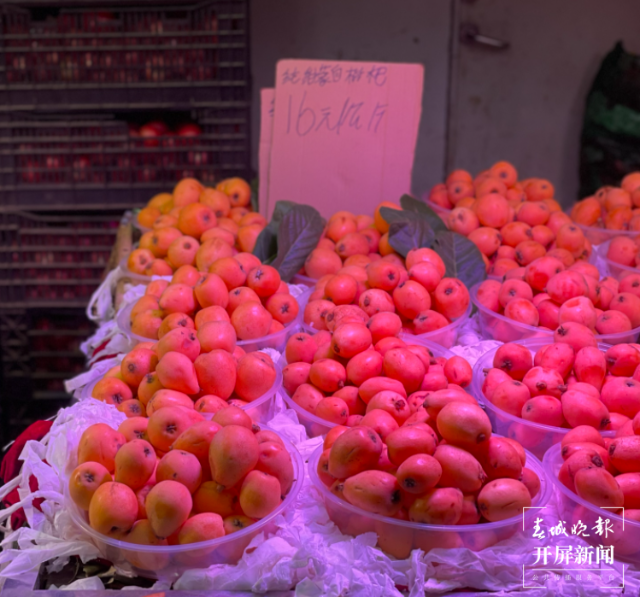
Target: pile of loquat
{"points": [[612, 208], [550, 295], [571, 382], [511, 222], [239, 298], [350, 240], [389, 297], [449, 471], [195, 226], [181, 480]]}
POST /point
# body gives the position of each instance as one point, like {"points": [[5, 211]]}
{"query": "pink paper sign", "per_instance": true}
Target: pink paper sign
{"points": [[344, 133], [267, 100]]}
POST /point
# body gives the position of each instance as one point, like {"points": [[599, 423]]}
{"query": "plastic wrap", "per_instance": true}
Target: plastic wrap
{"points": [[308, 551]]}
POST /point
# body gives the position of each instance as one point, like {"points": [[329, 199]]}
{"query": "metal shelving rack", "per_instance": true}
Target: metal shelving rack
{"points": [[76, 80]]}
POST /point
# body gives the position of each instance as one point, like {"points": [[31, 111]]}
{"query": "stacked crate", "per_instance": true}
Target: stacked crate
{"points": [[100, 109], [50, 265], [77, 84]]}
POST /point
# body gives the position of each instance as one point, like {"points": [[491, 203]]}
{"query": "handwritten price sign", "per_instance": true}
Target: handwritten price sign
{"points": [[344, 133], [302, 119]]}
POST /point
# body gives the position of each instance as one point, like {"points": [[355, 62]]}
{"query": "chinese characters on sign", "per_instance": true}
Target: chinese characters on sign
{"points": [[324, 74], [302, 118], [343, 133], [358, 116]]}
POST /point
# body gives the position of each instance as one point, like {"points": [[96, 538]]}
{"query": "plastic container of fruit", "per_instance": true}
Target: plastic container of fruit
{"points": [[413, 535], [261, 410], [536, 437], [494, 326], [598, 236], [572, 508], [593, 259], [615, 270], [276, 341], [316, 426], [446, 336], [169, 562]]}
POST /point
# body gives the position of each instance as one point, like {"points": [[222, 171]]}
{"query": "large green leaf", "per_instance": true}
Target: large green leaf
{"points": [[391, 215], [412, 204], [405, 236], [413, 210], [299, 232], [266, 247], [461, 257]]}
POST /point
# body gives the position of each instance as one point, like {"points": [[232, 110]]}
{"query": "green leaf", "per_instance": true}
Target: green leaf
{"points": [[391, 215], [281, 208], [266, 247], [408, 229], [412, 211], [461, 257], [409, 203], [299, 232], [405, 236]]}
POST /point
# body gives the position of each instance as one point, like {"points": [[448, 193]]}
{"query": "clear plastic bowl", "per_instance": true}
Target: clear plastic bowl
{"points": [[535, 437], [169, 562], [261, 410], [276, 341], [399, 537], [597, 236], [498, 327], [446, 336], [316, 426], [572, 508], [593, 258], [494, 326], [615, 270]]}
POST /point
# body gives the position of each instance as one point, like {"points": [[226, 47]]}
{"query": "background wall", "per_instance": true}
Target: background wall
{"points": [[384, 30], [524, 104]]}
